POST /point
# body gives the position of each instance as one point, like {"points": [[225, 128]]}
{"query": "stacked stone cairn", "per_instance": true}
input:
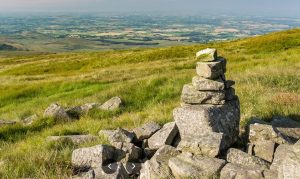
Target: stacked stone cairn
{"points": [[199, 144]]}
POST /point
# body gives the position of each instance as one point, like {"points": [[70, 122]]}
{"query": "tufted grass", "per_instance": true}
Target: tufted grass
{"points": [[266, 70]]}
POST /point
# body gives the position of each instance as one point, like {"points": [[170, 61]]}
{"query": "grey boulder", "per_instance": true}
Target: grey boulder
{"points": [[57, 112], [112, 104], [200, 120], [207, 55], [146, 131], [211, 70], [239, 157], [234, 171], [157, 166], [203, 84], [264, 150], [127, 152], [92, 157], [30, 119], [164, 136], [187, 165], [119, 135], [192, 96], [7, 123], [263, 132], [206, 145]]}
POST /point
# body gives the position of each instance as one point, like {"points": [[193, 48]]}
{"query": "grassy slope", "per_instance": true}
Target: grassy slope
{"points": [[266, 69]]}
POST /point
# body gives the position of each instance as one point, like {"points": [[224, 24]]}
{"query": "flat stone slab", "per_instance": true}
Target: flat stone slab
{"points": [[233, 171], [198, 120], [146, 131], [57, 112], [211, 70], [164, 136], [239, 157], [187, 165], [206, 145], [279, 155], [127, 152], [94, 157], [157, 166], [76, 139], [264, 150], [119, 135], [204, 84], [112, 104], [207, 55], [192, 96], [263, 132], [290, 165]]}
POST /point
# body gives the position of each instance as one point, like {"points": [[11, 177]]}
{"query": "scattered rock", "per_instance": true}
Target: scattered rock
{"points": [[77, 111], [164, 136], [187, 165], [119, 135], [207, 145], [111, 171], [233, 171], [7, 123], [203, 84], [92, 157], [157, 167], [199, 120], [146, 131], [127, 152], [262, 132], [211, 70], [192, 96], [76, 139], [112, 104], [207, 55], [264, 150], [57, 112], [239, 157], [29, 120]]}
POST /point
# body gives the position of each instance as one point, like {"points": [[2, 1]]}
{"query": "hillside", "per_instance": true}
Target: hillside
{"points": [[266, 70]]}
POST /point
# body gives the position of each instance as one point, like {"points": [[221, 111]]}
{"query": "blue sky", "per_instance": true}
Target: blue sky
{"points": [[249, 7]]}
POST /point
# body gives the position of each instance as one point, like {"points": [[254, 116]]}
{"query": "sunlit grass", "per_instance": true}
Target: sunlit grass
{"points": [[266, 70]]}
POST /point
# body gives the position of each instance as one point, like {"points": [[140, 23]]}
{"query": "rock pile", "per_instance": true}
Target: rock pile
{"points": [[199, 144], [208, 119]]}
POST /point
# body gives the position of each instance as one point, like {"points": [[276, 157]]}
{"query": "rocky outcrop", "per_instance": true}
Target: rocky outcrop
{"points": [[112, 104], [200, 143], [57, 112]]}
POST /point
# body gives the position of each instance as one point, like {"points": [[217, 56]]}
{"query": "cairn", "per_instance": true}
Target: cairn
{"points": [[208, 119]]}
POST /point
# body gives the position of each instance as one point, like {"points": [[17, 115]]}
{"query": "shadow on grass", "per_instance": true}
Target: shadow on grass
{"points": [[19, 132]]}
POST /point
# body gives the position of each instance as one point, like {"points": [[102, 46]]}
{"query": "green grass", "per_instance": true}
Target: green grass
{"points": [[266, 70]]}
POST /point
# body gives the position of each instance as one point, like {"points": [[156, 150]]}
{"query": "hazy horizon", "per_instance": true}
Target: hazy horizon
{"points": [[276, 8]]}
